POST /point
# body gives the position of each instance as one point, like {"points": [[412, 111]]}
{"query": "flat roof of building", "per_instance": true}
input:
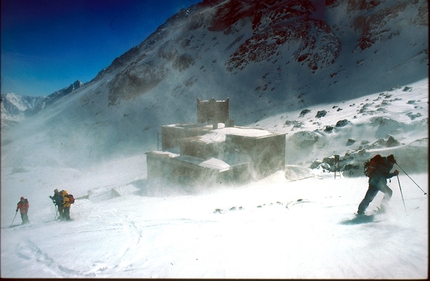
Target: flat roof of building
{"points": [[219, 134]]}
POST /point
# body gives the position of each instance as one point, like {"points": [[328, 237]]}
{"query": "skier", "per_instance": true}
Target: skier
{"points": [[57, 199], [23, 206], [378, 182], [66, 206]]}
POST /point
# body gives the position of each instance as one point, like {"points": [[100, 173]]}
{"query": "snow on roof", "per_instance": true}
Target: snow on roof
{"points": [[216, 164], [218, 135], [165, 153], [211, 163], [123, 190]]}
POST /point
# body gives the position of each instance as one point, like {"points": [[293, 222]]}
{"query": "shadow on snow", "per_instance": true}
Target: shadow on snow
{"points": [[360, 219]]}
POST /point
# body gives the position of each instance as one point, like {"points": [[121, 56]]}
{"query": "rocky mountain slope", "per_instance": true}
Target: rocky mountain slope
{"points": [[268, 57]]}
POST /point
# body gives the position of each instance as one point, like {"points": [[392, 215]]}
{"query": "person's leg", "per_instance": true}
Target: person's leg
{"points": [[24, 218], [387, 193], [63, 215], [60, 211], [370, 195], [66, 212], [387, 196]]}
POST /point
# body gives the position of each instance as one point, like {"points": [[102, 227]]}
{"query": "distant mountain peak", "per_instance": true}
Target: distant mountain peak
{"points": [[15, 108]]}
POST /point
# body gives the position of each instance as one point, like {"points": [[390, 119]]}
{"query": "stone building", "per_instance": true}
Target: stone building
{"points": [[215, 150]]}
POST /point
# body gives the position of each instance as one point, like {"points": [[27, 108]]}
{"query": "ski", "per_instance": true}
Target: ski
{"points": [[16, 225], [360, 219]]}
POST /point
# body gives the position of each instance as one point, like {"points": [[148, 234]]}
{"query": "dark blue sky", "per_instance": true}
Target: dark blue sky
{"points": [[47, 45]]}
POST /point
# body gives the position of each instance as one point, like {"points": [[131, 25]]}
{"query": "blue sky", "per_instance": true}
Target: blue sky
{"points": [[47, 45]]}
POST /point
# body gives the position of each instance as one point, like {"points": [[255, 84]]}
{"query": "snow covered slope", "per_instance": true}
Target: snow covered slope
{"points": [[393, 121]]}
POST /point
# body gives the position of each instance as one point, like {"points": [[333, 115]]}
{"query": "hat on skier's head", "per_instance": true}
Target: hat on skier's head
{"points": [[391, 158], [22, 198], [55, 190]]}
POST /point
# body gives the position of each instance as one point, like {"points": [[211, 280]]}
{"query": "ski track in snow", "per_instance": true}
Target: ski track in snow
{"points": [[29, 251]]}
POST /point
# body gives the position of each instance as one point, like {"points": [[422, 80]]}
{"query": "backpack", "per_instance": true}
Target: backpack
{"points": [[371, 165], [71, 198]]}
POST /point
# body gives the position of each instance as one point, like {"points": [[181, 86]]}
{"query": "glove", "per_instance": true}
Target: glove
{"points": [[396, 172], [16, 210]]}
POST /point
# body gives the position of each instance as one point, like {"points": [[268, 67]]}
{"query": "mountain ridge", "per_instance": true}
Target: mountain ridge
{"points": [[267, 58], [16, 108]]}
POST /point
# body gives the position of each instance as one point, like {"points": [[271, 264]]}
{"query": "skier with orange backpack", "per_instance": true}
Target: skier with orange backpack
{"points": [[68, 200]]}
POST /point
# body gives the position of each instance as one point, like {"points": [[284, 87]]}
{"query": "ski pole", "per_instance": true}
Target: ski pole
{"points": [[14, 217], [55, 207], [425, 193], [56, 212], [401, 192]]}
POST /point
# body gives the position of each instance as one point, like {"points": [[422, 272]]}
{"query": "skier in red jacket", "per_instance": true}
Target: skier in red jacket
{"points": [[23, 206], [378, 182]]}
